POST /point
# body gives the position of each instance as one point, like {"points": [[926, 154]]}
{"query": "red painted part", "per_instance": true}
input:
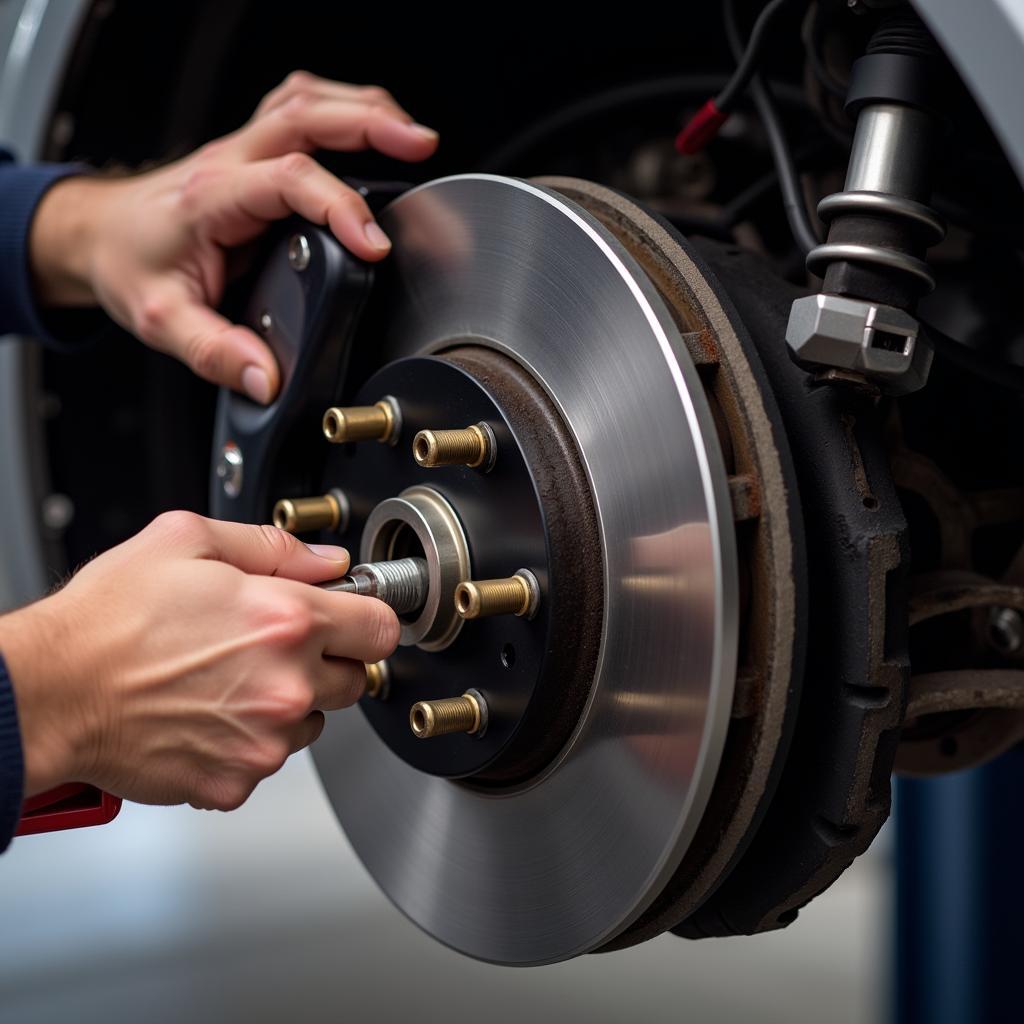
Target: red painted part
{"points": [[701, 128], [74, 805]]}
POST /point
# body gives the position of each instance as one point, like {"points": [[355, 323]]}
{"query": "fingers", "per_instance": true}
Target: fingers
{"points": [[339, 683], [216, 349], [306, 732], [361, 628], [303, 83], [305, 124], [258, 550], [271, 189]]}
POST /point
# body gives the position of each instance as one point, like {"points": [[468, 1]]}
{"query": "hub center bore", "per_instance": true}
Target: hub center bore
{"points": [[421, 523], [523, 513]]}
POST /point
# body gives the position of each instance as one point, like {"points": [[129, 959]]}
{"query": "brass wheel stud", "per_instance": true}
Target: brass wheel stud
{"points": [[301, 515], [430, 718], [378, 680], [380, 422], [472, 446], [515, 595]]}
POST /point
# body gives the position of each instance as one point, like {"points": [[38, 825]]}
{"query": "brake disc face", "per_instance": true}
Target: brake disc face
{"points": [[546, 319]]}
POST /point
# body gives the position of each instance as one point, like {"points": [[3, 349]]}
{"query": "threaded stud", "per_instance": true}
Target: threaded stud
{"points": [[429, 718], [300, 515], [377, 680], [515, 595], [379, 422], [473, 446]]}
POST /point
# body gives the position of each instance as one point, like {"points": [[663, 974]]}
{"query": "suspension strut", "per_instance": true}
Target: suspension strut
{"points": [[861, 325]]}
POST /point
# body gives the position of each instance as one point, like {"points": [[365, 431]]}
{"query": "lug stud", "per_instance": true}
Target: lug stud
{"points": [[468, 713], [379, 422], [378, 680], [301, 515], [516, 595], [473, 446]]}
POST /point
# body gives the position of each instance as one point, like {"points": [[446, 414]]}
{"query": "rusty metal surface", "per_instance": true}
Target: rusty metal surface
{"points": [[834, 793], [970, 708], [768, 518], [961, 719]]}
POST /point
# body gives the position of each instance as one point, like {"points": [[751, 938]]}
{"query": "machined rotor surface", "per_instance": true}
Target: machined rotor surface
{"points": [[560, 865]]}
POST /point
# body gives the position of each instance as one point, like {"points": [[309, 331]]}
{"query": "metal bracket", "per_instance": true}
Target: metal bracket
{"points": [[307, 302]]}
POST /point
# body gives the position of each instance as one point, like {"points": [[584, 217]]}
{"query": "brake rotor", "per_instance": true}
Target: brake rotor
{"points": [[560, 864]]}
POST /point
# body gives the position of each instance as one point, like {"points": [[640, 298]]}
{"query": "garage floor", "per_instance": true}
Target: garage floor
{"points": [[266, 915]]}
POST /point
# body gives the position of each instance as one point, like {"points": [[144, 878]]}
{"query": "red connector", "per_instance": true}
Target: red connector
{"points": [[701, 128], [74, 805]]}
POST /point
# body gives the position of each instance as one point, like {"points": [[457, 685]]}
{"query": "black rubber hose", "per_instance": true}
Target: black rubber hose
{"points": [[636, 94], [799, 220], [747, 62], [815, 49]]}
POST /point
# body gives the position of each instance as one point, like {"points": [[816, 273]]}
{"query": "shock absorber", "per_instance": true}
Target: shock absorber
{"points": [[860, 326]]}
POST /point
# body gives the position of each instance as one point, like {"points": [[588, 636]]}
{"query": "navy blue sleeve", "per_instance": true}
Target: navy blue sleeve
{"points": [[12, 767], [21, 188]]}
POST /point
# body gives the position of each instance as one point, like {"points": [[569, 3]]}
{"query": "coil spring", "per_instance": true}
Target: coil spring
{"points": [[900, 32], [924, 218]]}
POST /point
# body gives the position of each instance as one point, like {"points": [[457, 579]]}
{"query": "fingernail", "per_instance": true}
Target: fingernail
{"points": [[256, 384], [427, 133], [375, 235], [332, 552]]}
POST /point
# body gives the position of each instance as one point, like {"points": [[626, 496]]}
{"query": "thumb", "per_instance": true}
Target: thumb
{"points": [[268, 551], [216, 349]]}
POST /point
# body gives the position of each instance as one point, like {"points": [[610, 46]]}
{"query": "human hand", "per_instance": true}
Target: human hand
{"points": [[186, 664], [151, 248]]}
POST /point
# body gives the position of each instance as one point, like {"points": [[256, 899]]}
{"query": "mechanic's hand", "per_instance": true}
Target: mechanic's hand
{"points": [[151, 248], [187, 664]]}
